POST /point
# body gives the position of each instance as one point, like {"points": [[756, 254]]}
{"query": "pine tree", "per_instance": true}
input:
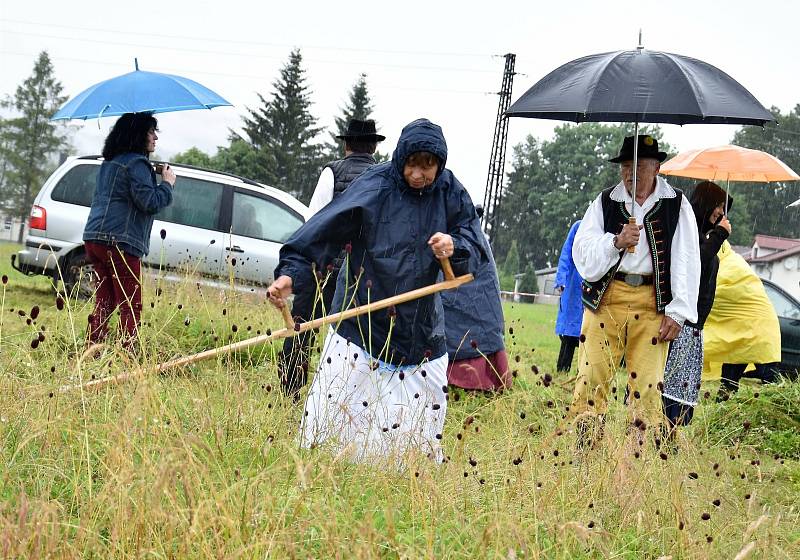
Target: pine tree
{"points": [[359, 106], [510, 268], [282, 131], [529, 284], [30, 141]]}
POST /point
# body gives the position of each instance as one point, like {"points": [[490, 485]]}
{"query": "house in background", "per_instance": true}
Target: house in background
{"points": [[777, 259], [10, 227]]}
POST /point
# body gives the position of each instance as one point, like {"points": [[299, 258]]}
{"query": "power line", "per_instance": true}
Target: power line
{"points": [[245, 76], [207, 39], [250, 54]]}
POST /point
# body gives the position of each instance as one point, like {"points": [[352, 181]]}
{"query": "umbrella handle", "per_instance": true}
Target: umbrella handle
{"points": [[632, 248]]}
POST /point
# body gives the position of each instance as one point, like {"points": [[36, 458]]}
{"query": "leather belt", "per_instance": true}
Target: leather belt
{"points": [[634, 279]]}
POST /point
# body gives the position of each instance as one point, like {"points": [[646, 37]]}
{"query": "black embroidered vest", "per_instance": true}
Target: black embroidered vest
{"points": [[660, 224], [347, 169]]}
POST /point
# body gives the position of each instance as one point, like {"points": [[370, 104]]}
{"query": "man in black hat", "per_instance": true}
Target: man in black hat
{"points": [[634, 302], [360, 143]]}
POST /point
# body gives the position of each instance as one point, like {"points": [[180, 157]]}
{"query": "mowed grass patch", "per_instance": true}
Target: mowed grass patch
{"points": [[204, 462]]}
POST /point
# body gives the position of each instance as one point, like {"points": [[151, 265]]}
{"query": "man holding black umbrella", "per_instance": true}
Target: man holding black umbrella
{"points": [[635, 302]]}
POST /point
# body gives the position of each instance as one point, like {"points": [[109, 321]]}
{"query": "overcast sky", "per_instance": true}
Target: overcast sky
{"points": [[440, 60]]}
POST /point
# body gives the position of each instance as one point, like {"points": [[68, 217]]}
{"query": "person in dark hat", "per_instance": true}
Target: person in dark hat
{"points": [[360, 143], [636, 302]]}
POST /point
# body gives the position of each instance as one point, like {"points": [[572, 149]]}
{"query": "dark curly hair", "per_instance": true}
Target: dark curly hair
{"points": [[129, 134]]}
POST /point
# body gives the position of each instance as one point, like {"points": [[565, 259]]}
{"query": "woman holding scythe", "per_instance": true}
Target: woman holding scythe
{"points": [[381, 386]]}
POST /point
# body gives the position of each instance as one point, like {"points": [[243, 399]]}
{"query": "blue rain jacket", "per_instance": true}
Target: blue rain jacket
{"points": [[473, 312], [570, 307], [384, 225]]}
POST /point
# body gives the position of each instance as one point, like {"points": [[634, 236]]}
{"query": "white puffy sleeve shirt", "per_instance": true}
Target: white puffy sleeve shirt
{"points": [[323, 193], [594, 253]]}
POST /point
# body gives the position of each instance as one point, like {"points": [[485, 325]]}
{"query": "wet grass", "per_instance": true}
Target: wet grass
{"points": [[203, 462]]}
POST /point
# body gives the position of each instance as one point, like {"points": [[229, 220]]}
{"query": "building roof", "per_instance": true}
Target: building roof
{"points": [[773, 242], [779, 256], [744, 250]]}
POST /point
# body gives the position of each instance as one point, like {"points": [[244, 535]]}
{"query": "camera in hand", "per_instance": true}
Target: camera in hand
{"points": [[158, 168]]}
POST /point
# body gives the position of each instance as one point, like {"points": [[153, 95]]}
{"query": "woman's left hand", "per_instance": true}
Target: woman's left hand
{"points": [[442, 245]]}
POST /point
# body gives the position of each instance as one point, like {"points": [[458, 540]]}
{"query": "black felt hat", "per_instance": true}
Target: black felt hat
{"points": [[361, 130], [648, 148]]}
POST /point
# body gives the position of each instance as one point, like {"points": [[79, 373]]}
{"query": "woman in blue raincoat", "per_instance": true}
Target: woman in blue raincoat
{"points": [[381, 386], [570, 307]]}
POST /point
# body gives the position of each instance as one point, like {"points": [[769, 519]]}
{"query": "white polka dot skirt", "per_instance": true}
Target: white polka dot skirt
{"points": [[368, 409]]}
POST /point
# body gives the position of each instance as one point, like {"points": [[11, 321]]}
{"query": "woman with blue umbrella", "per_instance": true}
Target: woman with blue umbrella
{"points": [[117, 232]]}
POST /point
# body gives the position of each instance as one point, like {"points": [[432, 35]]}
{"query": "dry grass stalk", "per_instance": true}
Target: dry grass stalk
{"points": [[746, 551]]}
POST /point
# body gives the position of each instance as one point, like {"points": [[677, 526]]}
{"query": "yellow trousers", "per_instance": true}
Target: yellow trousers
{"points": [[625, 325]]}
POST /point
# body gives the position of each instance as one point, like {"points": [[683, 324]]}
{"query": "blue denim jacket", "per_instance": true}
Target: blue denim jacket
{"points": [[125, 200]]}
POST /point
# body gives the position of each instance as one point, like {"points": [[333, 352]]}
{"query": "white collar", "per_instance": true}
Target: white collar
{"points": [[663, 190]]}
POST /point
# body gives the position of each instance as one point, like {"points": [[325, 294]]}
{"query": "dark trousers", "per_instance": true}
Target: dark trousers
{"points": [[118, 287], [568, 346], [293, 361], [732, 374]]}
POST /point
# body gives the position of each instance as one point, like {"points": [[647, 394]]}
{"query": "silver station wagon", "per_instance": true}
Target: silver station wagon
{"points": [[219, 227]]}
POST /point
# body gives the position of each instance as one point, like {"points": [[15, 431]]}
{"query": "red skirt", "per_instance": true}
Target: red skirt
{"points": [[488, 373]]}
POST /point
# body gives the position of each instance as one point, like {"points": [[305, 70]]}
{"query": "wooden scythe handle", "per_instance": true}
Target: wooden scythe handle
{"points": [[288, 320], [290, 330], [632, 220], [447, 269]]}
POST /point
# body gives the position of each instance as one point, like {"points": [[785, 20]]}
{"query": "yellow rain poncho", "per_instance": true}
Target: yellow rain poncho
{"points": [[742, 327]]}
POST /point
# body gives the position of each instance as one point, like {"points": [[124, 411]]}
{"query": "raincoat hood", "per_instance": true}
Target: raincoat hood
{"points": [[420, 135]]}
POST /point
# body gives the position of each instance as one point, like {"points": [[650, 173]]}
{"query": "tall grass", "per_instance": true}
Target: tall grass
{"points": [[203, 463]]}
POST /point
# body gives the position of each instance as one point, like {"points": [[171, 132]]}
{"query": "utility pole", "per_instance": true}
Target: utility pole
{"points": [[497, 163]]}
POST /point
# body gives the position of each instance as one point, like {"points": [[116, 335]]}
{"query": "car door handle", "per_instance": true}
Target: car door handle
{"points": [[235, 249]]}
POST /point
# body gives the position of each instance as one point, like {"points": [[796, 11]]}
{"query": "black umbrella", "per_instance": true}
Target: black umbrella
{"points": [[640, 86]]}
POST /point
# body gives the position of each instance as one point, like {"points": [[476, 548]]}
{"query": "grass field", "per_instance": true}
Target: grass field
{"points": [[203, 463]]}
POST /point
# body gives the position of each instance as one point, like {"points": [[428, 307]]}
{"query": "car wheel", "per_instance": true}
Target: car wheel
{"points": [[78, 276]]}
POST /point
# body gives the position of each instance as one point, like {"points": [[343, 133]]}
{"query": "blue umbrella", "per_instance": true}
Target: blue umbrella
{"points": [[138, 92]]}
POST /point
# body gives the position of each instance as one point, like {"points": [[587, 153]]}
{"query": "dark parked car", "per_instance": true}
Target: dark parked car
{"points": [[788, 310]]}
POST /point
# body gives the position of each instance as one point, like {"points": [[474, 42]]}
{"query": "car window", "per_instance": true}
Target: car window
{"points": [[784, 307], [77, 185], [195, 203], [263, 218]]}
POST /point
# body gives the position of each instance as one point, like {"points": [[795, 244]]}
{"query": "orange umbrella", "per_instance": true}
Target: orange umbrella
{"points": [[729, 163]]}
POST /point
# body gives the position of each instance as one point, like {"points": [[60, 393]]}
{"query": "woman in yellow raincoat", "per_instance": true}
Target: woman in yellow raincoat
{"points": [[742, 327]]}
